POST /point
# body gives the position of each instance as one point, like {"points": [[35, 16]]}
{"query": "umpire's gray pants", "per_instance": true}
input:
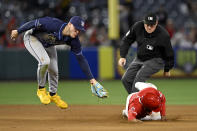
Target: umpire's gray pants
{"points": [[47, 61], [139, 71]]}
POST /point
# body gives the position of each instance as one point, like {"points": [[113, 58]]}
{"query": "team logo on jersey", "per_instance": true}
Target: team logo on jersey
{"points": [[149, 47]]}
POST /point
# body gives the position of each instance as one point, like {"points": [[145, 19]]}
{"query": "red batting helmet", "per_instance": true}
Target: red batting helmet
{"points": [[151, 101]]}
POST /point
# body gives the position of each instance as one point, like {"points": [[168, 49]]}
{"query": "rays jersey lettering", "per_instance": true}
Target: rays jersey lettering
{"points": [[48, 39]]}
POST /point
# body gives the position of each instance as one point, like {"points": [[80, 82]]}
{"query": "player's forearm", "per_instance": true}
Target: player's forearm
{"points": [[84, 66], [124, 47], [168, 55], [169, 63], [126, 42], [163, 108], [27, 26]]}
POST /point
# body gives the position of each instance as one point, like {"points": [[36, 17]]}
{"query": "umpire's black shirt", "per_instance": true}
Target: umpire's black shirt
{"points": [[149, 45]]}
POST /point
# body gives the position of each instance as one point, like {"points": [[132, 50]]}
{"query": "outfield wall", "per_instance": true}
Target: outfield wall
{"points": [[19, 64]]}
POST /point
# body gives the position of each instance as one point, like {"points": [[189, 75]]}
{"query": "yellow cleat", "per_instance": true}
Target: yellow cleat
{"points": [[58, 101], [44, 98]]}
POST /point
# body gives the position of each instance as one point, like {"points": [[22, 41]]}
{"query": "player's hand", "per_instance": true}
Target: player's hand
{"points": [[135, 121], [93, 81], [122, 62], [166, 74], [163, 118], [14, 34]]}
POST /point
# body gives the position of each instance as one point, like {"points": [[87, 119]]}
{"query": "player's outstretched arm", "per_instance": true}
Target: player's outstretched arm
{"points": [[96, 88], [23, 28]]}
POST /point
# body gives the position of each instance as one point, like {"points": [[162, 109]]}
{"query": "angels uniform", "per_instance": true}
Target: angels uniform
{"points": [[135, 109]]}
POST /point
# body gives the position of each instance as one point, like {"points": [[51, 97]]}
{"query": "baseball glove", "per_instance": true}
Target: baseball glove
{"points": [[98, 90]]}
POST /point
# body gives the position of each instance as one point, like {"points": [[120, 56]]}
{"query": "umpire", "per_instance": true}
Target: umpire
{"points": [[154, 52]]}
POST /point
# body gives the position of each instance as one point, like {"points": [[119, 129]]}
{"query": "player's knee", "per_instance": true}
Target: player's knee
{"points": [[45, 62], [125, 82], [54, 72], [123, 79], [140, 78]]}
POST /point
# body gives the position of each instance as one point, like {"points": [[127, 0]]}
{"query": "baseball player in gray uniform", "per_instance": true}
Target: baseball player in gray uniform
{"points": [[41, 36]]}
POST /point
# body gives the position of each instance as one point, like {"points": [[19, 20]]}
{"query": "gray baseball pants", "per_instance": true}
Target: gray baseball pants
{"points": [[139, 71], [47, 61]]}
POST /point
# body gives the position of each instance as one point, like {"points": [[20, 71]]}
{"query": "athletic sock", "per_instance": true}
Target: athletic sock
{"points": [[52, 94], [41, 87]]}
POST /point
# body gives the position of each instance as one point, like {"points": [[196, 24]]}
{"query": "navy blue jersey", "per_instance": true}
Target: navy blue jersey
{"points": [[48, 30]]}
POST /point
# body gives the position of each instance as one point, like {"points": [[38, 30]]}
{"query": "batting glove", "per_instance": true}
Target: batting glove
{"points": [[98, 90]]}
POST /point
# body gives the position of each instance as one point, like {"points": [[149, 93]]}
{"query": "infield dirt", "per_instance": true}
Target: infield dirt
{"points": [[90, 118]]}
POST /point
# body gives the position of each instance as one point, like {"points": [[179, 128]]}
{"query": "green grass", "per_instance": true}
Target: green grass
{"points": [[178, 91]]}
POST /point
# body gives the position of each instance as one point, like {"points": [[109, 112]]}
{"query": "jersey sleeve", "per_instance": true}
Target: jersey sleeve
{"points": [[46, 24], [84, 65], [134, 107], [168, 54], [132, 113], [162, 108], [76, 46], [126, 42], [27, 26], [76, 49], [163, 104]]}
